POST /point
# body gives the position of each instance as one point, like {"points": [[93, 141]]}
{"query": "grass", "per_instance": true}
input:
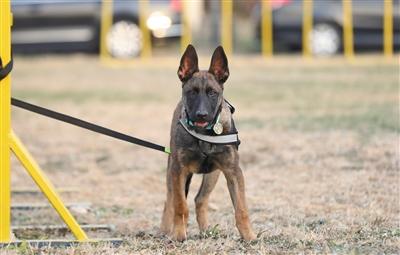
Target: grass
{"points": [[85, 96], [377, 118], [319, 152]]}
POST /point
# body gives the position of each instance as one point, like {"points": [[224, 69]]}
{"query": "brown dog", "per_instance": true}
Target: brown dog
{"points": [[203, 141]]}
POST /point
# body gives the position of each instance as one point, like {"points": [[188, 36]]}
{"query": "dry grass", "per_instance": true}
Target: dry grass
{"points": [[319, 149]]}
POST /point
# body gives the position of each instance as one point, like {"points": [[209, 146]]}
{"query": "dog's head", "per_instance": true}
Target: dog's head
{"points": [[202, 91]]}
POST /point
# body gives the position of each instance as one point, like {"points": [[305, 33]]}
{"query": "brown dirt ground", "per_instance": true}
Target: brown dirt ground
{"points": [[319, 152]]}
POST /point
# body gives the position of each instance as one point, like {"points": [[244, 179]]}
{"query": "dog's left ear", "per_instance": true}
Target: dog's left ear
{"points": [[219, 65]]}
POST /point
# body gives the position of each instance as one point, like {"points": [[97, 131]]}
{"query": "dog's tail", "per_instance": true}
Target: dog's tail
{"points": [[187, 184]]}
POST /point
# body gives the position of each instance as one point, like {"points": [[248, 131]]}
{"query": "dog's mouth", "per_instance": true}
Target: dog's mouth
{"points": [[201, 124]]}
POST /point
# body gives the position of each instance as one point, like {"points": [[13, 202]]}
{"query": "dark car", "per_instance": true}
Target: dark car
{"points": [[328, 24], [65, 25]]}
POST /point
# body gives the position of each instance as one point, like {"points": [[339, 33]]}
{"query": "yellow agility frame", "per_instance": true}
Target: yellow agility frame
{"points": [[348, 44], [186, 36], [307, 24], [226, 25], [388, 28], [8, 140], [107, 17], [267, 40]]}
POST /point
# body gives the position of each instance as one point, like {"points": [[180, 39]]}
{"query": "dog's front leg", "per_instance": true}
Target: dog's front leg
{"points": [[168, 213], [235, 181], [181, 212], [207, 185]]}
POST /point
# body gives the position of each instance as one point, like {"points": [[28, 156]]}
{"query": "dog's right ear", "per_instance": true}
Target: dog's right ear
{"points": [[189, 64]]}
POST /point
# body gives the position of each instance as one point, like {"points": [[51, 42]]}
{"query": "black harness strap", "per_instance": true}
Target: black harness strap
{"points": [[4, 71], [86, 125], [231, 107]]}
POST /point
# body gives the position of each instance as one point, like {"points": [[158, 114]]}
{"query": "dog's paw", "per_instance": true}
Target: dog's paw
{"points": [[203, 228], [179, 235], [250, 236], [165, 230]]}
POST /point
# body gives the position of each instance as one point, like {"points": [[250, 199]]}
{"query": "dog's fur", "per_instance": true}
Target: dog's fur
{"points": [[202, 97]]}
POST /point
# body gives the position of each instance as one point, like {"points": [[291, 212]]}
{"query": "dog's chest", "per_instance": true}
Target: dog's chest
{"points": [[206, 158], [210, 149]]}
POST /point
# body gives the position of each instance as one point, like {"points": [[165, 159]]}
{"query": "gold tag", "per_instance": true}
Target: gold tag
{"points": [[218, 128]]}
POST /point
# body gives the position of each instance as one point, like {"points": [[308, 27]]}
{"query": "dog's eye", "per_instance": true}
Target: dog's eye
{"points": [[211, 93], [193, 92]]}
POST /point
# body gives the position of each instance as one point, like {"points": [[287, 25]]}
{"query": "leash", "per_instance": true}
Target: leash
{"points": [[5, 71], [86, 125], [224, 139]]}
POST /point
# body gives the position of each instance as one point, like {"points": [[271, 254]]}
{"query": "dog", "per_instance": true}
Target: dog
{"points": [[204, 141]]}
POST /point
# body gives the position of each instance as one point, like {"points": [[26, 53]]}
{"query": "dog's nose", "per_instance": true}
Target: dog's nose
{"points": [[201, 114]]}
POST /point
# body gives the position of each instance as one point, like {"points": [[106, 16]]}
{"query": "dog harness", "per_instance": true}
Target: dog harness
{"points": [[216, 138]]}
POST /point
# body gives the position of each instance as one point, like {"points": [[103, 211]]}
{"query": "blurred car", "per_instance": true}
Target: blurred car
{"points": [[74, 25], [326, 38]]}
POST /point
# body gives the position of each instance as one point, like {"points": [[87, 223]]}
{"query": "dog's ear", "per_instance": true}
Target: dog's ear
{"points": [[189, 64], [219, 65]]}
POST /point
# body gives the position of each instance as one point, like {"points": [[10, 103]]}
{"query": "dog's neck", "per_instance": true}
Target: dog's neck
{"points": [[208, 142]]}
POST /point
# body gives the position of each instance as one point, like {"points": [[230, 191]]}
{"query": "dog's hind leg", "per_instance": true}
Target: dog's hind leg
{"points": [[201, 200]]}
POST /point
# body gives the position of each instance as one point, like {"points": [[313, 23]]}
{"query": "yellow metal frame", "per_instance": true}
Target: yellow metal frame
{"points": [[388, 28], [106, 23], [307, 27], [5, 105], [186, 37], [8, 140], [267, 42], [348, 29], [45, 186], [143, 14], [226, 25]]}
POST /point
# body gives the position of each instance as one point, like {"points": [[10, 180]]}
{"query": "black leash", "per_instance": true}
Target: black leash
{"points": [[4, 71], [86, 125]]}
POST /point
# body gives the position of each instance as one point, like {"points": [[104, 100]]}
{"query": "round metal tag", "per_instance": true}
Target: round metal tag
{"points": [[218, 128]]}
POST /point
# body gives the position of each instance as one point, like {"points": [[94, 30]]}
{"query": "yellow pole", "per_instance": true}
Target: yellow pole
{"points": [[45, 185], [186, 37], [143, 12], [388, 28], [226, 25], [106, 23], [5, 105], [348, 29], [267, 40], [307, 27]]}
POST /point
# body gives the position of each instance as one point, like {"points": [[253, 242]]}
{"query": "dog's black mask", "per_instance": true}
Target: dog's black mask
{"points": [[202, 91]]}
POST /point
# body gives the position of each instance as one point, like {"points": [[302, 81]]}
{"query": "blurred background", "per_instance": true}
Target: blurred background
{"points": [[315, 85], [126, 28]]}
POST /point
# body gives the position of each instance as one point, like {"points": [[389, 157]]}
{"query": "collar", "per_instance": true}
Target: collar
{"points": [[228, 139], [232, 138]]}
